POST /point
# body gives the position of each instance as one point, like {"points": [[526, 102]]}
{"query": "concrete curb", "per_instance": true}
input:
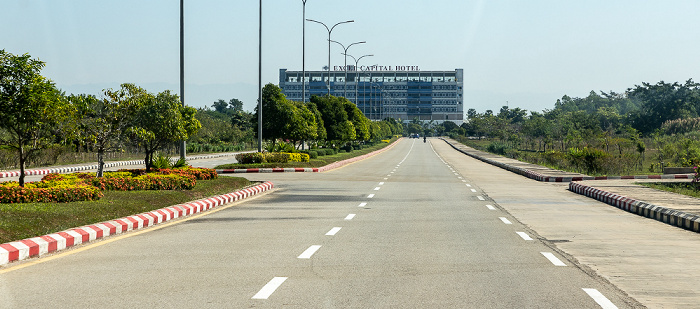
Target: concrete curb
{"points": [[666, 215], [540, 177], [38, 246], [308, 170], [34, 172]]}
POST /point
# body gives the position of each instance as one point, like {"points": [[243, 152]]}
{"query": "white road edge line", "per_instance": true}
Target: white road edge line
{"points": [[269, 288], [362, 205], [333, 231], [524, 235], [553, 259], [309, 252], [506, 221], [599, 298], [490, 207], [350, 216]]}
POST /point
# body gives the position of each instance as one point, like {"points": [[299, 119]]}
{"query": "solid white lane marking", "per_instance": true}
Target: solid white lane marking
{"points": [[376, 189], [362, 205], [333, 231], [553, 259], [481, 198], [473, 190], [490, 207], [269, 288], [350, 216], [309, 252], [506, 221], [599, 298], [524, 235], [370, 196], [381, 183]]}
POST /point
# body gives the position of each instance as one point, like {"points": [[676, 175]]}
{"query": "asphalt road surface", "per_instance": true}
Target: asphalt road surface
{"points": [[404, 229]]}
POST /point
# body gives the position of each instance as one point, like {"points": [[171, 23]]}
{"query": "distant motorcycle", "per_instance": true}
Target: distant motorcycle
{"points": [[423, 139]]}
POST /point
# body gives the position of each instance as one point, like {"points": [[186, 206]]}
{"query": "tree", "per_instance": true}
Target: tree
{"points": [[103, 122], [35, 115], [159, 120], [235, 105]]}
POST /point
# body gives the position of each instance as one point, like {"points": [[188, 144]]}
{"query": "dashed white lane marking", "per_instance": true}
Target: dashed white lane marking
{"points": [[381, 183], [456, 174], [269, 288], [506, 221], [599, 298], [377, 188], [490, 207], [468, 185], [553, 259], [481, 198], [350, 216], [309, 252], [524, 235], [370, 196], [362, 205], [473, 190], [386, 178], [460, 177], [333, 231]]}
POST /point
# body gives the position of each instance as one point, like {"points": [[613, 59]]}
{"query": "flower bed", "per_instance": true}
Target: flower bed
{"points": [[64, 188]]}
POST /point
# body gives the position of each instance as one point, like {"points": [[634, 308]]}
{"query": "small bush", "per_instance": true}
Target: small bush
{"points": [[313, 154], [162, 161], [250, 158], [64, 193]]}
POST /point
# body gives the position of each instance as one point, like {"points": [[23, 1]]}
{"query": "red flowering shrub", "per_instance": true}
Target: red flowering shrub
{"points": [[57, 194]]}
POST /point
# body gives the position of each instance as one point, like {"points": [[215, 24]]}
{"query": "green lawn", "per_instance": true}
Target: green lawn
{"points": [[20, 221]]}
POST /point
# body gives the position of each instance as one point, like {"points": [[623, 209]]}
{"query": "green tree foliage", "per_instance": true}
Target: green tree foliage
{"points": [[103, 122], [35, 115], [663, 102], [159, 120]]}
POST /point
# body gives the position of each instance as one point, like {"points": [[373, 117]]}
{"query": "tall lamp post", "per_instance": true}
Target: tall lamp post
{"points": [[260, 79], [329, 47], [183, 144], [357, 81], [303, 52], [345, 87]]}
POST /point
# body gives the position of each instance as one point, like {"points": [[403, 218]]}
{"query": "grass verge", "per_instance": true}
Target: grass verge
{"points": [[685, 188], [318, 162], [20, 221]]}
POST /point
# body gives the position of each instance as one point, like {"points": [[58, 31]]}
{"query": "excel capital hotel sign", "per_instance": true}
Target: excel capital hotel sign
{"points": [[376, 67]]}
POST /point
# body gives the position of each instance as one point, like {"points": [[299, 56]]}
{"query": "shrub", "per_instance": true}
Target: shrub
{"points": [[162, 161], [297, 157], [250, 158], [497, 148], [64, 193], [199, 173], [276, 157], [313, 154], [146, 182]]}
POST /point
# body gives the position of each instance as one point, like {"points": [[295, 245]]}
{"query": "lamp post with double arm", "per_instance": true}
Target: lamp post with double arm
{"points": [[345, 49], [329, 46], [357, 81]]}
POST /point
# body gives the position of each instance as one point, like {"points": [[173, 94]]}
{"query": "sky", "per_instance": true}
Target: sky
{"points": [[524, 54]]}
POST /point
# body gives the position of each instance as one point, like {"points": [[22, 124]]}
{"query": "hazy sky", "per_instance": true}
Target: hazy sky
{"points": [[528, 53]]}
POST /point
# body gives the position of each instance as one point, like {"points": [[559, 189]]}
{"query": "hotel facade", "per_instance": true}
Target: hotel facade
{"points": [[399, 92]]}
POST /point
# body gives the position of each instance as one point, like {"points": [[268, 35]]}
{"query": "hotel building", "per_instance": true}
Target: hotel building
{"points": [[400, 92]]}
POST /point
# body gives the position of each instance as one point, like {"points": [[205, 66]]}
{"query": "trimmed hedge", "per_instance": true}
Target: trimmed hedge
{"points": [[146, 182], [60, 194]]}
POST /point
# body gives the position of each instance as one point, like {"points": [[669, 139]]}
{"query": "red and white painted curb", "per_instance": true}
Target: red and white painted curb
{"points": [[307, 170], [37, 246], [70, 169], [666, 215]]}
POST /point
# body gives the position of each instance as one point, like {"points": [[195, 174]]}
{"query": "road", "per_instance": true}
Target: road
{"points": [[409, 228]]}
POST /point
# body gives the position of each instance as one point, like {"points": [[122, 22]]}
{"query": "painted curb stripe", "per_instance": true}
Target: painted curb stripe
{"points": [[37, 246]]}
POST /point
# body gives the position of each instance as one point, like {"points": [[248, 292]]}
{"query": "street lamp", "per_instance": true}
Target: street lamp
{"points": [[345, 87], [183, 144], [260, 79], [357, 75], [303, 52], [329, 47]]}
